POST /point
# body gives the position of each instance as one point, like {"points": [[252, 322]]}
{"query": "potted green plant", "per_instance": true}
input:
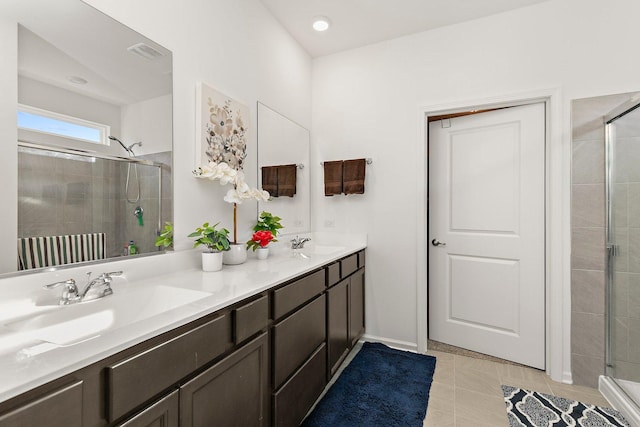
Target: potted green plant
{"points": [[269, 222], [166, 236], [265, 232], [216, 240]]}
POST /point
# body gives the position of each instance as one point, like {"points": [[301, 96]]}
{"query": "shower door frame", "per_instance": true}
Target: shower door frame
{"points": [[129, 160], [610, 244]]}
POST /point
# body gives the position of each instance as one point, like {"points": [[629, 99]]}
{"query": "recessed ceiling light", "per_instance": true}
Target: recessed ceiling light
{"points": [[321, 23], [77, 80]]}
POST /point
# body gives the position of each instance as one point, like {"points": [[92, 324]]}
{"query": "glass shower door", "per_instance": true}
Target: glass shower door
{"points": [[623, 248]]}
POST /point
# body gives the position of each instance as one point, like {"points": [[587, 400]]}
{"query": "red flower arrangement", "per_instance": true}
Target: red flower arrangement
{"points": [[260, 239]]}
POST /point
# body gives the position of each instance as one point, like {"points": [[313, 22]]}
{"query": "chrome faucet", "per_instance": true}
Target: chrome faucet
{"points": [[102, 280], [298, 243], [71, 294]]}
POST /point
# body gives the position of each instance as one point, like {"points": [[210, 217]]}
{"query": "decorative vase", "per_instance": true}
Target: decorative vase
{"points": [[262, 253], [212, 261], [237, 254]]}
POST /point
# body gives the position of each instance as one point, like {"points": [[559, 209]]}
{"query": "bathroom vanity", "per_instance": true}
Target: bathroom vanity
{"points": [[258, 349]]}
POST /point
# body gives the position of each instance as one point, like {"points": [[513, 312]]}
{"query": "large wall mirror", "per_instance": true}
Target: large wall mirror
{"points": [[284, 143], [94, 136]]}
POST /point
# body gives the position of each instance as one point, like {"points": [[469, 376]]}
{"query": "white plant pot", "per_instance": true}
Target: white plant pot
{"points": [[212, 261], [262, 253], [237, 254]]}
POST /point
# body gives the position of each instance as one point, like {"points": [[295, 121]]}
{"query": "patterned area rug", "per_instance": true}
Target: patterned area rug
{"points": [[527, 408]]}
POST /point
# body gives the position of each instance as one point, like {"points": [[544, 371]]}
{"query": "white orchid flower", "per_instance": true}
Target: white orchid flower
{"points": [[217, 171], [233, 197], [260, 195], [242, 187]]}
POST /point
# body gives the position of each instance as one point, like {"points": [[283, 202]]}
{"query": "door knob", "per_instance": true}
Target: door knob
{"points": [[435, 242]]}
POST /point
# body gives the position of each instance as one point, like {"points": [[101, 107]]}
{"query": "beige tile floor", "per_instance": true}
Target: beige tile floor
{"points": [[466, 391]]}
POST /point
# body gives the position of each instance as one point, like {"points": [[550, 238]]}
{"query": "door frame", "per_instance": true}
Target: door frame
{"points": [[557, 222]]}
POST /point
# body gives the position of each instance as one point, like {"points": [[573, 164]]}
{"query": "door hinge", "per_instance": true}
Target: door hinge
{"points": [[614, 250]]}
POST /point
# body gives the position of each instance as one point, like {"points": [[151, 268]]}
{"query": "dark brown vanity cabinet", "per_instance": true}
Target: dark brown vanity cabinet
{"points": [[260, 362], [138, 378], [337, 325], [59, 408], [233, 392], [356, 306], [345, 310], [299, 347], [163, 413]]}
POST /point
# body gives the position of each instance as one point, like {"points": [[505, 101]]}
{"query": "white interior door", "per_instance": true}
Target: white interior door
{"points": [[487, 233]]}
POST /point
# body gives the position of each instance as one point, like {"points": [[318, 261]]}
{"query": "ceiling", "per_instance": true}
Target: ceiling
{"points": [[66, 38], [357, 23]]}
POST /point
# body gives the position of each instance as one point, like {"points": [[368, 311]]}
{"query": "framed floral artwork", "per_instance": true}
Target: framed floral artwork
{"points": [[222, 130]]}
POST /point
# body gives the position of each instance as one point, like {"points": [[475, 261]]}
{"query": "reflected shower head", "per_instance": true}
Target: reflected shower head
{"points": [[113, 138], [129, 149]]}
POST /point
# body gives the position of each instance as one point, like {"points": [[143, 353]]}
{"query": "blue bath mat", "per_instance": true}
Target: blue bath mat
{"points": [[380, 387], [527, 408]]}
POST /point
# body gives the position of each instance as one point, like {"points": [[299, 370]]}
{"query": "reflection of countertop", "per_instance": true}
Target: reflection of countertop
{"points": [[26, 363]]}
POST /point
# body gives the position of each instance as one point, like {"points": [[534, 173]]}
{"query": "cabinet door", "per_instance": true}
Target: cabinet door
{"points": [[233, 392], [60, 408], [296, 337], [163, 413], [337, 324], [294, 399], [356, 306]]}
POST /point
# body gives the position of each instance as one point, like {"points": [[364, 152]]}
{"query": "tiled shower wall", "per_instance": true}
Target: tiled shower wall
{"points": [[588, 237], [58, 195]]}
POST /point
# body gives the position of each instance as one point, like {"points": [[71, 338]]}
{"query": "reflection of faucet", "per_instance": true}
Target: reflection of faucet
{"points": [[298, 243], [71, 295]]}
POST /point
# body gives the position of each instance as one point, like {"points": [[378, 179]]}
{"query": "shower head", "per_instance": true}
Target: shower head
{"points": [[128, 149], [113, 138]]}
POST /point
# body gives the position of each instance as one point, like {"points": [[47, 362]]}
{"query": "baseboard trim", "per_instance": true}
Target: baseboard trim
{"points": [[397, 344]]}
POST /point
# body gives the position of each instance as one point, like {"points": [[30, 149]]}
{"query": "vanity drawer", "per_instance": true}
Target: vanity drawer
{"points": [[333, 273], [250, 319], [349, 265], [361, 259], [292, 402], [138, 378], [297, 293], [60, 408], [296, 337]]}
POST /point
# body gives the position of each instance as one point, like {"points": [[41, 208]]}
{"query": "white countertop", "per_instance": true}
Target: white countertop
{"points": [[26, 363]]}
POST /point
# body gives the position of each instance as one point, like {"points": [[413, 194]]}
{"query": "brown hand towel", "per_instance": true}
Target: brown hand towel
{"points": [[287, 175], [353, 176], [270, 180], [332, 178]]}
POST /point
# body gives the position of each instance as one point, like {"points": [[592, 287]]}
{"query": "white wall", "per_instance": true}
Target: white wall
{"points": [[149, 122], [8, 140], [365, 104]]}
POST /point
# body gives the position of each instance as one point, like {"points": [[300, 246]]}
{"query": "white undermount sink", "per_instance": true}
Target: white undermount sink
{"points": [[322, 250], [316, 251], [70, 324]]}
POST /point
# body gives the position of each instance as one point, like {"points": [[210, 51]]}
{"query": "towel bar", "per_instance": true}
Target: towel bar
{"points": [[369, 161]]}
